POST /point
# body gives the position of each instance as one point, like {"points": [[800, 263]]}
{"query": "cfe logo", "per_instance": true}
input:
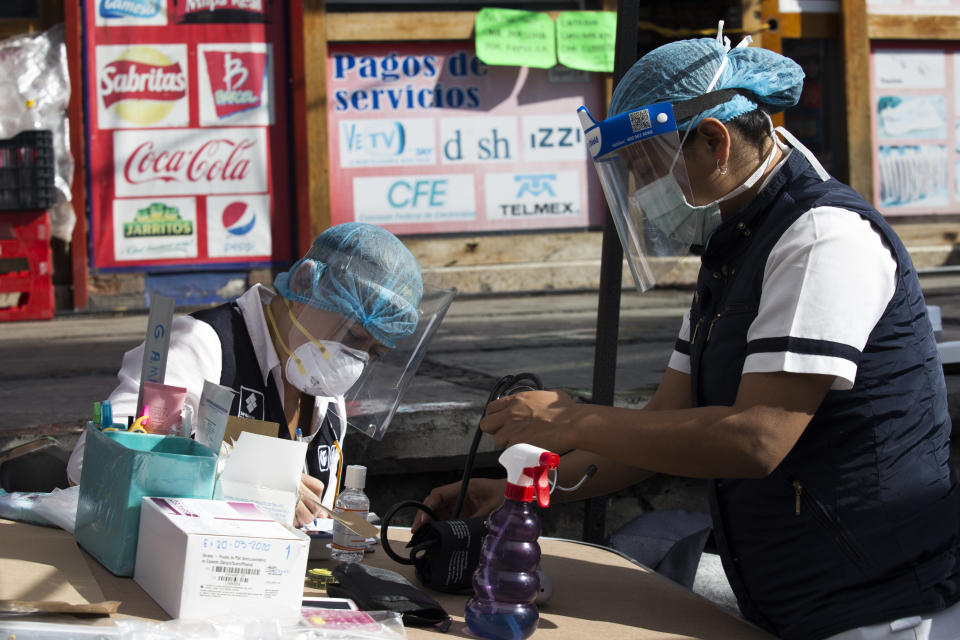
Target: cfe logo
{"points": [[236, 80], [157, 219], [238, 218], [142, 86]]}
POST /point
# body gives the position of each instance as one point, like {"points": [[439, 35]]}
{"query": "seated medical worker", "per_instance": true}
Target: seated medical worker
{"points": [[805, 382], [291, 355]]}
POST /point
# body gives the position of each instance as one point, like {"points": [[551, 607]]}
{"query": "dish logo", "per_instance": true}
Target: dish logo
{"points": [[119, 9], [236, 80], [238, 218], [142, 85]]}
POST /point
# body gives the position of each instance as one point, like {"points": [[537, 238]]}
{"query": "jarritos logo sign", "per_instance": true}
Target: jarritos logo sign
{"points": [[157, 219], [222, 10], [237, 84], [142, 86], [190, 162]]}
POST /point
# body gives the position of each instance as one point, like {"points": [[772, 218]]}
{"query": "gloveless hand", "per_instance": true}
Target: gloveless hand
{"points": [[544, 419]]}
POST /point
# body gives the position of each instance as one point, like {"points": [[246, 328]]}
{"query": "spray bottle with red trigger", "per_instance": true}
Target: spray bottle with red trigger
{"points": [[506, 583]]}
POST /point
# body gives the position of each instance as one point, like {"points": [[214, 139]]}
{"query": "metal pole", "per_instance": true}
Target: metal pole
{"points": [[611, 276]]}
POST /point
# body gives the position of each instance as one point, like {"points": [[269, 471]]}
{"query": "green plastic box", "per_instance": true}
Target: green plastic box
{"points": [[120, 468]]}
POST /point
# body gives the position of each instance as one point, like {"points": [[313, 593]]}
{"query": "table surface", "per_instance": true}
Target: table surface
{"points": [[597, 592]]}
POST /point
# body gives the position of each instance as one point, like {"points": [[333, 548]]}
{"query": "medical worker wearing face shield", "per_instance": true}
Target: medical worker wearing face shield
{"points": [[805, 382], [292, 354]]}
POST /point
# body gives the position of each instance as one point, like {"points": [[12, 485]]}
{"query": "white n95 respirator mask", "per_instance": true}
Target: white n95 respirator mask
{"points": [[325, 368]]}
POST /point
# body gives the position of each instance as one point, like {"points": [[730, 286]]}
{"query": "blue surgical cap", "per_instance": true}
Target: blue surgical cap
{"points": [[362, 272], [682, 70]]}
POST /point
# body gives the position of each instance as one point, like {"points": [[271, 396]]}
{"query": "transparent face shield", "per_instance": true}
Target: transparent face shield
{"points": [[373, 400], [330, 356], [640, 162], [635, 155]]}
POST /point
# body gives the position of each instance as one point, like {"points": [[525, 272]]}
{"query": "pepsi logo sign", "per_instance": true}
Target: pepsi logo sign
{"points": [[238, 218]]}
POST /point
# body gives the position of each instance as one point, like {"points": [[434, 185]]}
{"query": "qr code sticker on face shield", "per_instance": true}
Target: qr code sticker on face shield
{"points": [[640, 120]]}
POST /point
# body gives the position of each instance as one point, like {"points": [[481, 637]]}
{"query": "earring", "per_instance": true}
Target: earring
{"points": [[721, 169]]}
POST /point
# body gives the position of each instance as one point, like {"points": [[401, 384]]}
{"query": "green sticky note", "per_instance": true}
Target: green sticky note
{"points": [[510, 37], [585, 39]]}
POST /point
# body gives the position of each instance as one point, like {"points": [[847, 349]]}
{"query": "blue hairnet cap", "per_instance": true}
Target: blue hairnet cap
{"points": [[363, 273], [682, 70]]}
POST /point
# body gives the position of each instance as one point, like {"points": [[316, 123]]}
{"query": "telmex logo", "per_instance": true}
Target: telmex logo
{"points": [[142, 85], [236, 80], [535, 184], [129, 8], [157, 220]]}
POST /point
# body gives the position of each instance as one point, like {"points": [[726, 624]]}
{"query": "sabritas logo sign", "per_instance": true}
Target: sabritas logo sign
{"points": [[157, 219], [236, 80], [142, 85]]}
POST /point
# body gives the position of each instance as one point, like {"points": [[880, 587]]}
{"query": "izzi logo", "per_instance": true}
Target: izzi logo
{"points": [[236, 80], [130, 8], [155, 220]]}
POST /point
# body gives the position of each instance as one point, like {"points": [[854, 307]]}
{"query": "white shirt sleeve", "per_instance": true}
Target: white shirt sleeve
{"points": [[194, 355], [680, 358], [826, 283]]}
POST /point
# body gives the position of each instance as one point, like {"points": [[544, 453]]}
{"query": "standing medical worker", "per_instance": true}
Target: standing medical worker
{"points": [[291, 357], [805, 381]]}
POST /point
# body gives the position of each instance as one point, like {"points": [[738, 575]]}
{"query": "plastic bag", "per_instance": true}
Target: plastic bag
{"points": [[34, 92], [59, 507], [316, 624], [22, 507]]}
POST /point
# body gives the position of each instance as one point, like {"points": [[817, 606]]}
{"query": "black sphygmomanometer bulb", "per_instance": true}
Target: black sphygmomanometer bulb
{"points": [[505, 386]]}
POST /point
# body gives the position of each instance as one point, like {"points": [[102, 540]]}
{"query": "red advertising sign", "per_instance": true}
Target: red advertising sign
{"points": [[425, 138], [188, 157]]}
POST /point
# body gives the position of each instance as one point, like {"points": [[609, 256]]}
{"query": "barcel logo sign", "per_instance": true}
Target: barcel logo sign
{"points": [[142, 85], [157, 220], [236, 80]]}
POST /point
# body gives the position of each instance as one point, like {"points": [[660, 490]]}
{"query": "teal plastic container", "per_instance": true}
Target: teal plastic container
{"points": [[120, 468]]}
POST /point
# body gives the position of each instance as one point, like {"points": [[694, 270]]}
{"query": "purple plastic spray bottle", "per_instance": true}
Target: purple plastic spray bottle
{"points": [[506, 583]]}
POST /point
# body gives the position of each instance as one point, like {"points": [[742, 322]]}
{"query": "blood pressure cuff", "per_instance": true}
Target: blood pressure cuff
{"points": [[447, 552], [376, 589]]}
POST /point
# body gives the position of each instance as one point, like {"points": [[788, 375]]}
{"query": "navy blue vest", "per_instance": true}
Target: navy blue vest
{"points": [[859, 523], [254, 399]]}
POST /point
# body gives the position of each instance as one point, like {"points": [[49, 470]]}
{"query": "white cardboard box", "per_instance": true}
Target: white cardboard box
{"points": [[202, 558]]}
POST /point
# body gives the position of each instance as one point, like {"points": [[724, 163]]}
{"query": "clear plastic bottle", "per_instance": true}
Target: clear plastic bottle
{"points": [[348, 546], [506, 583]]}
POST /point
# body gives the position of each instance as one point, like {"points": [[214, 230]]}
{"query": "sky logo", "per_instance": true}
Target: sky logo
{"points": [[238, 218], [130, 8], [536, 184]]}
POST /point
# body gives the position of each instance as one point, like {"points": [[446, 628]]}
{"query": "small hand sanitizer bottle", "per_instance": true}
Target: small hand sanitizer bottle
{"points": [[348, 546]]}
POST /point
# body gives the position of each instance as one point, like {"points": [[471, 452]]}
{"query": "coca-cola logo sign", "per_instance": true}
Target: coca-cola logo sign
{"points": [[191, 161], [142, 86]]}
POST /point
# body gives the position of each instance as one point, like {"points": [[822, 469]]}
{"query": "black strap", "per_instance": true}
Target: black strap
{"points": [[688, 109]]}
